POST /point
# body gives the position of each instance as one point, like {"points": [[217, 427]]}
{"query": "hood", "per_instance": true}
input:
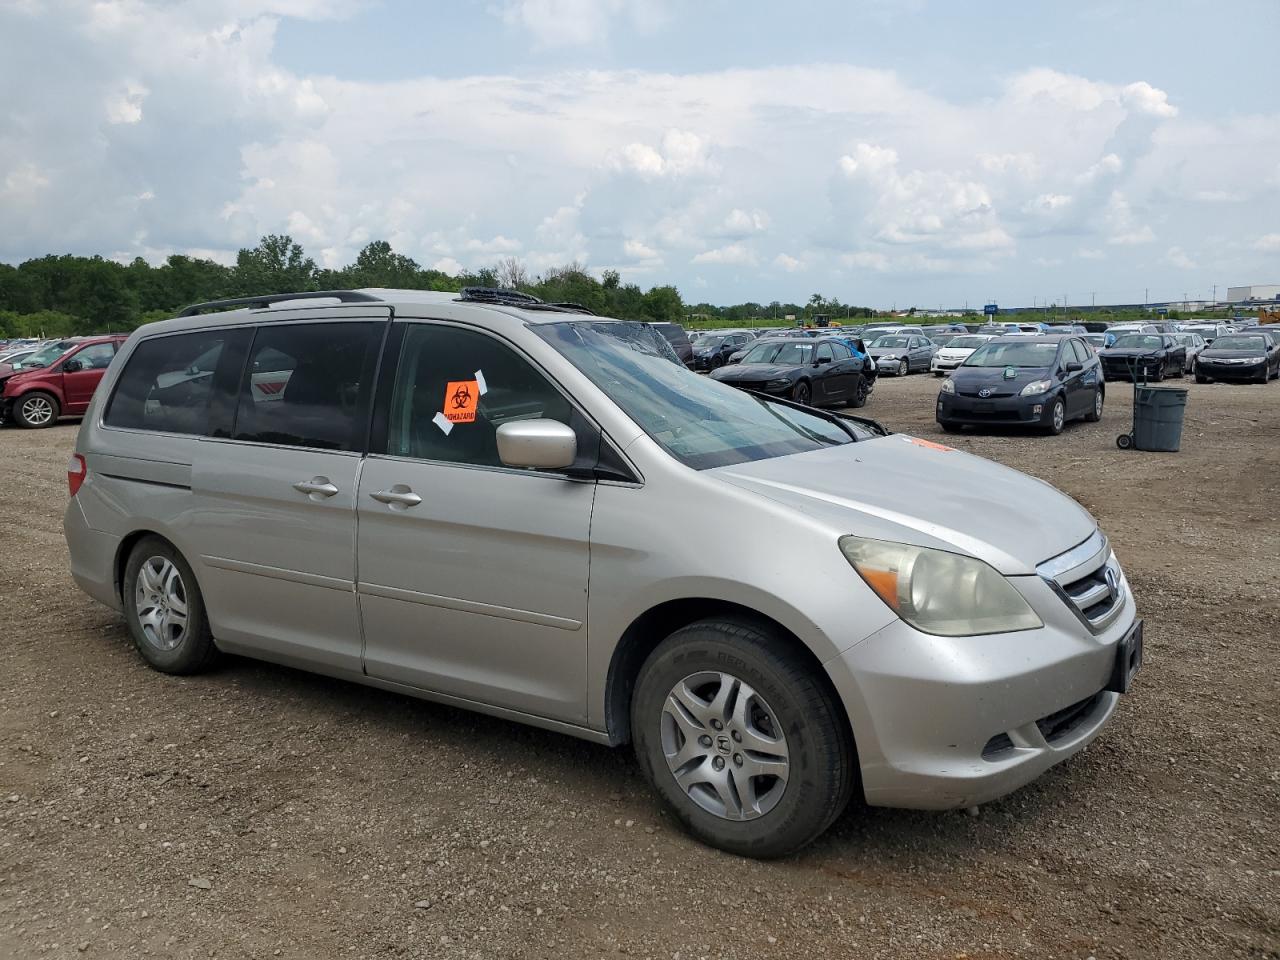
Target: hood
{"points": [[994, 376], [955, 353], [1130, 352], [888, 351], [755, 371], [1209, 353], [915, 491]]}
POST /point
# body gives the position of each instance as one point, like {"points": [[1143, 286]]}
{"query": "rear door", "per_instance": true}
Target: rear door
{"points": [[78, 386], [473, 575], [275, 494]]}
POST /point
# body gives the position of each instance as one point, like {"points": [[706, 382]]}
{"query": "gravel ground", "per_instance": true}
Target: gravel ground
{"points": [[259, 812]]}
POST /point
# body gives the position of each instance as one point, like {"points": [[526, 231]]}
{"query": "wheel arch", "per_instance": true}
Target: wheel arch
{"points": [[657, 623], [125, 547]]}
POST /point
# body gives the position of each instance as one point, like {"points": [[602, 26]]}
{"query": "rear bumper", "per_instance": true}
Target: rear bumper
{"points": [[93, 556], [953, 408]]}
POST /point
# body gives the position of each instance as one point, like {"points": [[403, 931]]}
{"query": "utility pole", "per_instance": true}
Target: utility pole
{"points": [[1146, 294], [1093, 294]]}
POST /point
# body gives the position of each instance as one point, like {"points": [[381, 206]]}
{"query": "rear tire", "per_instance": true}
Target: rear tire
{"points": [[704, 697], [36, 410], [1095, 413], [165, 609], [860, 393]]}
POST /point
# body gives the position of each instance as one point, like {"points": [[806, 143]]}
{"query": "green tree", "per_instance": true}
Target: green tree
{"points": [[276, 265]]}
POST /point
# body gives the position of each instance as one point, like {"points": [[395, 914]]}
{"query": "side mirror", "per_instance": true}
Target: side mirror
{"points": [[72, 365], [539, 444], [1074, 366]]}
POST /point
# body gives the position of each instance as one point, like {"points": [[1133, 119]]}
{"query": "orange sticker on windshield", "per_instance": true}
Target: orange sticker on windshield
{"points": [[460, 399], [930, 444]]}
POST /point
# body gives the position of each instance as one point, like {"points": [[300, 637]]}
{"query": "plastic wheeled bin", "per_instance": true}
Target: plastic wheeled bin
{"points": [[1158, 413]]}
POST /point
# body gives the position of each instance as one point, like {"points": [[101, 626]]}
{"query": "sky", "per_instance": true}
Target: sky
{"points": [[885, 152]]}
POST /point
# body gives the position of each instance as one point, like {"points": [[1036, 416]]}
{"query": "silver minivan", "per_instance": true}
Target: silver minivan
{"points": [[520, 508]]}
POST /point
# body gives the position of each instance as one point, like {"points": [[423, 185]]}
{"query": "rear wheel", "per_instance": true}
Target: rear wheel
{"points": [[739, 735], [860, 393], [35, 410], [165, 609], [800, 393], [1095, 414]]}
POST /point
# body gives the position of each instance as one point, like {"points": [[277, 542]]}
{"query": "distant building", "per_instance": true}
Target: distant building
{"points": [[1262, 291]]}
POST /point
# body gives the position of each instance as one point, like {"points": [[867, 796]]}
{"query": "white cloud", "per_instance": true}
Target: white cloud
{"points": [[740, 223], [1178, 258], [1268, 243], [568, 23], [448, 265], [126, 106], [682, 154], [734, 253], [788, 263]]}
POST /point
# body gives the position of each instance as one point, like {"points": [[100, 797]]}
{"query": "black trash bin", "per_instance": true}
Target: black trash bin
{"points": [[1157, 418]]}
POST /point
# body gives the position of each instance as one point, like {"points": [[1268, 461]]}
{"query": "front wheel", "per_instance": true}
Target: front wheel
{"points": [[742, 737], [35, 410], [1055, 417], [1201, 378], [904, 368], [801, 394]]}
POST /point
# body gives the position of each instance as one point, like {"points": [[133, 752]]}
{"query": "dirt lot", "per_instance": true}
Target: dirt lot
{"points": [[260, 812]]}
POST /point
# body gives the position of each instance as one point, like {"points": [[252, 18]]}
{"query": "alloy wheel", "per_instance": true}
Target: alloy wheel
{"points": [[724, 746], [161, 601], [1097, 404], [37, 410], [1059, 416]]}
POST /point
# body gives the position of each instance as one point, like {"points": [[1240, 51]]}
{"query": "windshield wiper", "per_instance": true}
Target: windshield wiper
{"points": [[837, 418]]}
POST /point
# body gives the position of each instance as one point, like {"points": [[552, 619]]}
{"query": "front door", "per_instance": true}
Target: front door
{"points": [[78, 386], [473, 575], [275, 522]]}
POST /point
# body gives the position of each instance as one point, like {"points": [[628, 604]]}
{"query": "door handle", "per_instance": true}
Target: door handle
{"points": [[398, 497], [317, 488]]}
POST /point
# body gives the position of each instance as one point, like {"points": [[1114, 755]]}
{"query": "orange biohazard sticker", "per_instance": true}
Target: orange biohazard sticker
{"points": [[460, 399], [929, 444]]}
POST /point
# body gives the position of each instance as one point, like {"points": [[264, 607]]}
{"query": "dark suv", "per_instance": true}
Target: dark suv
{"points": [[1039, 381]]}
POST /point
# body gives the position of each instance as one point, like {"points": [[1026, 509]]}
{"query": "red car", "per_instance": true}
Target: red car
{"points": [[57, 380]]}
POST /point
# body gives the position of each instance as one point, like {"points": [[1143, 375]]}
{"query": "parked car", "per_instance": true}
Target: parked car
{"points": [[9, 357], [675, 335], [955, 352], [713, 350], [1249, 357], [820, 373], [1193, 343], [900, 354], [56, 382], [1043, 382], [1148, 356], [1098, 341], [1210, 331], [1120, 329], [923, 641]]}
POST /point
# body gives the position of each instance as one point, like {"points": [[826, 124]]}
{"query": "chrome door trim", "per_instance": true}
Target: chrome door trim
{"points": [[278, 573], [469, 606]]}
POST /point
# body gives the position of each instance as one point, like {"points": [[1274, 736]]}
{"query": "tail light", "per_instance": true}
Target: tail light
{"points": [[77, 470]]}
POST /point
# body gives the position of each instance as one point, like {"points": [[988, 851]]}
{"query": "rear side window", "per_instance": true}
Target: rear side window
{"points": [[308, 385], [167, 384]]}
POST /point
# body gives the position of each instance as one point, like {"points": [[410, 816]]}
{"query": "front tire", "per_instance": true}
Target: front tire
{"points": [[742, 737], [904, 368], [1201, 378], [165, 609], [1055, 418], [36, 410], [801, 393]]}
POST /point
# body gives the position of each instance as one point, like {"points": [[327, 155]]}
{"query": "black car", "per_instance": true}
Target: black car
{"points": [[713, 350], [674, 334], [816, 373], [1146, 356], [1033, 381], [1237, 356]]}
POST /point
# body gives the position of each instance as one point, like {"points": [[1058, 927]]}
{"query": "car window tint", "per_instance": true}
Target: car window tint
{"points": [[840, 351], [167, 384], [1079, 351], [96, 357], [824, 352], [454, 388], [304, 386]]}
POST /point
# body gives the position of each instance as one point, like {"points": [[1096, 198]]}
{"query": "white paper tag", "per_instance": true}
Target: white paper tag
{"points": [[480, 384], [441, 421]]}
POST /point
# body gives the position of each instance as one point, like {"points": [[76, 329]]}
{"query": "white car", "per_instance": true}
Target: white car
{"points": [[956, 352], [1194, 343]]}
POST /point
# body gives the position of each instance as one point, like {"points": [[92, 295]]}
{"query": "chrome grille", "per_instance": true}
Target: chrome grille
{"points": [[1088, 579]]}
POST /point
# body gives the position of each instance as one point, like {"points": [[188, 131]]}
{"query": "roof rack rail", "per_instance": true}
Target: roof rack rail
{"points": [[264, 301], [514, 298]]}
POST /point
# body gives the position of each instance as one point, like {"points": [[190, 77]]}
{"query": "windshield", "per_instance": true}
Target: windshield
{"points": [[710, 341], [966, 343], [1138, 342], [699, 421], [780, 351], [883, 342], [1252, 344], [1028, 353], [45, 356]]}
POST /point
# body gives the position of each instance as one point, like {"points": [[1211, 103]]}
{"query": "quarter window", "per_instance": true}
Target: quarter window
{"points": [[308, 385], [167, 384], [454, 388]]}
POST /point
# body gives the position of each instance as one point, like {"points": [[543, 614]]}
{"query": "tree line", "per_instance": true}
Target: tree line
{"points": [[67, 295]]}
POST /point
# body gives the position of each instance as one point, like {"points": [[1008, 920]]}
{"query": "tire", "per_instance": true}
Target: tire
{"points": [[801, 393], [949, 427], [1201, 378], [1055, 418], [1158, 375], [790, 713], [1124, 441], [188, 650], [35, 410], [1095, 412], [904, 368], [860, 393]]}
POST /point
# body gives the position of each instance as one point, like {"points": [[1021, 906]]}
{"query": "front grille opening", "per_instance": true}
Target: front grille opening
{"points": [[1091, 595], [997, 747], [1062, 723]]}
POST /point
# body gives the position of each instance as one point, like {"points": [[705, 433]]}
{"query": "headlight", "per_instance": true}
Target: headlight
{"points": [[938, 592], [948, 386], [777, 384], [1036, 386]]}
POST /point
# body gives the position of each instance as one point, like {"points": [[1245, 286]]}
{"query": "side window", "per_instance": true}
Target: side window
{"points": [[308, 385], [840, 351], [824, 352], [167, 384], [96, 357], [454, 388], [1081, 352]]}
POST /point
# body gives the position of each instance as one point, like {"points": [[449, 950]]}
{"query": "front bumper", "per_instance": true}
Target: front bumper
{"points": [[704, 363], [939, 363], [1122, 370], [945, 722], [1231, 371], [956, 408], [783, 390]]}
